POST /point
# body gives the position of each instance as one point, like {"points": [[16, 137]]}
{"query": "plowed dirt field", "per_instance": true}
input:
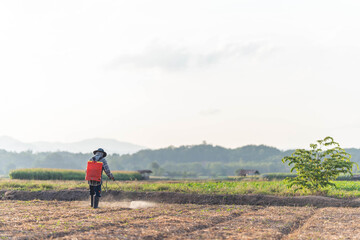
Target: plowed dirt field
{"points": [[143, 220]]}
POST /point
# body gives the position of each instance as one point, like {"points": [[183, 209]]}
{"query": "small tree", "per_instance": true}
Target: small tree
{"points": [[155, 167], [320, 165]]}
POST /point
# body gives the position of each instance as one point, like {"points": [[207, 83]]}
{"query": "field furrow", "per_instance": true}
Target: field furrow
{"points": [[330, 223], [266, 223], [144, 220]]}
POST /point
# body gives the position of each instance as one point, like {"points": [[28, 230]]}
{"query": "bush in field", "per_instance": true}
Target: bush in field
{"points": [[320, 165], [62, 174]]}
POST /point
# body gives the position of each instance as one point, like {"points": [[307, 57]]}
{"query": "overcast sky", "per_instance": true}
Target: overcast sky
{"points": [[160, 73]]}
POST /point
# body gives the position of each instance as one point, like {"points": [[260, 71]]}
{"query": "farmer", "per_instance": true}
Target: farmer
{"points": [[95, 185]]}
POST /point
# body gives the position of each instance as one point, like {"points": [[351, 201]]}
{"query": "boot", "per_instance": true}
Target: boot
{"points": [[92, 200], [96, 202]]}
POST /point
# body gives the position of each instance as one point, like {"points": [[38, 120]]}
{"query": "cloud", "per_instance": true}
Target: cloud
{"points": [[209, 112], [175, 58], [164, 57]]}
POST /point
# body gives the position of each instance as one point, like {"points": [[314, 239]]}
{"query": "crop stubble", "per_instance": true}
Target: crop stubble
{"points": [[121, 220]]}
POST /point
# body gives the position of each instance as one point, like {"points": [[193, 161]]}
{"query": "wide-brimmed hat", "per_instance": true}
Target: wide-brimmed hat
{"points": [[100, 150]]}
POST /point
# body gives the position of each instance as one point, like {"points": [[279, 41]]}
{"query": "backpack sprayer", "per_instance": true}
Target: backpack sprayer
{"points": [[93, 174], [93, 171]]}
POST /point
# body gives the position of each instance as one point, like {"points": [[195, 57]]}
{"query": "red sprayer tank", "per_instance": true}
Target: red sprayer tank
{"points": [[93, 171]]}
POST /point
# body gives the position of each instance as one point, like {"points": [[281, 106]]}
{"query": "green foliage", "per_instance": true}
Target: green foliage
{"points": [[320, 165], [47, 174], [157, 170], [278, 176], [204, 160], [343, 189], [346, 177], [62, 174], [195, 160], [199, 187], [126, 175]]}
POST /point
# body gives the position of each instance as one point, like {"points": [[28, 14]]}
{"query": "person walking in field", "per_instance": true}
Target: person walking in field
{"points": [[96, 165]]}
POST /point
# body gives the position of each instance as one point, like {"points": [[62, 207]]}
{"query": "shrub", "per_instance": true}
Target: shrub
{"points": [[320, 165]]}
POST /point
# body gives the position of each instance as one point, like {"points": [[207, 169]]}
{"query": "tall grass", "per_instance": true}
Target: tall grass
{"points": [[63, 174]]}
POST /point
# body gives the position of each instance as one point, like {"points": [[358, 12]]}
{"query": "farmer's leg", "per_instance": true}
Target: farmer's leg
{"points": [[97, 196], [92, 193], [92, 190], [98, 190]]}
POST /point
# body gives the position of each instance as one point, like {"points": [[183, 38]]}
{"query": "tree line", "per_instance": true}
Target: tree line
{"points": [[183, 161]]}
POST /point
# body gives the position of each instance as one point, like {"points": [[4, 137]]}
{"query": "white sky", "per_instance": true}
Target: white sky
{"points": [[160, 73]]}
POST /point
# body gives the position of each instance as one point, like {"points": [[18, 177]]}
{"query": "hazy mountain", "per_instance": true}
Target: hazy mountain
{"points": [[11, 144], [85, 146]]}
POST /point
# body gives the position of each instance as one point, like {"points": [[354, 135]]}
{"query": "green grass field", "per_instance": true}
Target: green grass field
{"points": [[65, 174], [344, 189]]}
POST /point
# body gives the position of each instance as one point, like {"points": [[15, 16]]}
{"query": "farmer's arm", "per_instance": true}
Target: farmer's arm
{"points": [[107, 169]]}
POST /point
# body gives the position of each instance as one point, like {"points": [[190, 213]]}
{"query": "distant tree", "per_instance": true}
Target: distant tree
{"points": [[199, 159], [9, 167], [155, 166], [244, 172], [217, 169], [157, 170]]}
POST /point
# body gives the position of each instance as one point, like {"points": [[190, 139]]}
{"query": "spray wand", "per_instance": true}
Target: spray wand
{"points": [[106, 187]]}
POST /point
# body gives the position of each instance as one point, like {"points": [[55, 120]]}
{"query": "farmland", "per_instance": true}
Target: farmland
{"points": [[175, 210], [134, 220], [344, 189]]}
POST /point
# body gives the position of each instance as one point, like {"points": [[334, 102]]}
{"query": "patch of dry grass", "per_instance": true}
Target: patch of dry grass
{"points": [[142, 220], [116, 220], [330, 223]]}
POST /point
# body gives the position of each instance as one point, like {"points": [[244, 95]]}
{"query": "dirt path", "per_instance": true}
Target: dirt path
{"points": [[183, 198]]}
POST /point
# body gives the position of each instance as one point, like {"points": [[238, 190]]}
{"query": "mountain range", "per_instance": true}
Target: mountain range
{"points": [[84, 146]]}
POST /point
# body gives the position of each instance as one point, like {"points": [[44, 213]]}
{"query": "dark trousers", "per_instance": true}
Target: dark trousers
{"points": [[95, 190]]}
